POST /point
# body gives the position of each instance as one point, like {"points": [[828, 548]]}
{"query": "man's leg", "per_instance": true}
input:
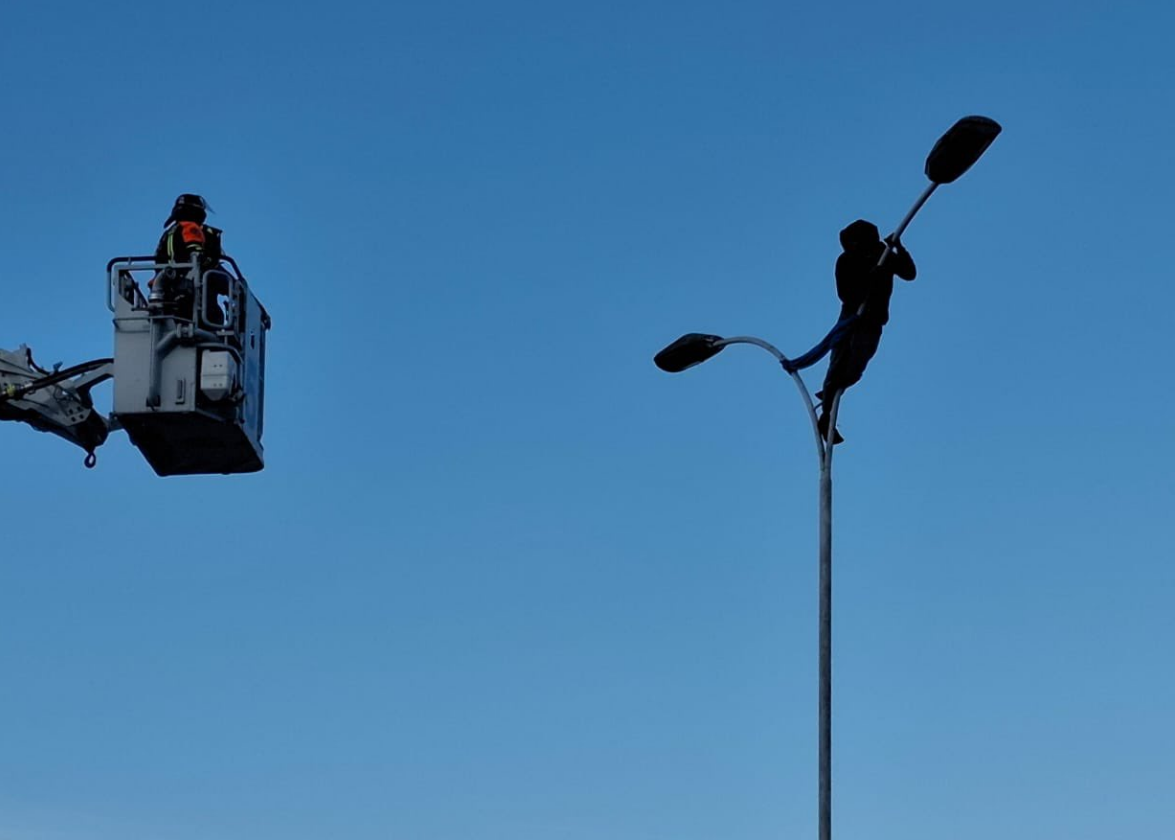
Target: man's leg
{"points": [[864, 347], [850, 357], [833, 379], [836, 363]]}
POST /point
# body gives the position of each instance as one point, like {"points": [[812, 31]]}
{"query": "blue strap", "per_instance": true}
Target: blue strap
{"points": [[821, 350]]}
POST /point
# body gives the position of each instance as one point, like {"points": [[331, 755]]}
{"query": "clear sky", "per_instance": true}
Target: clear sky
{"points": [[503, 579]]}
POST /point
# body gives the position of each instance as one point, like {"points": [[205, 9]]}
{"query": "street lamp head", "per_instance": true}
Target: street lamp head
{"points": [[959, 148], [689, 350]]}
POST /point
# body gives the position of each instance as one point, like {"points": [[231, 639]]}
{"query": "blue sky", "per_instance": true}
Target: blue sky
{"points": [[501, 578]]}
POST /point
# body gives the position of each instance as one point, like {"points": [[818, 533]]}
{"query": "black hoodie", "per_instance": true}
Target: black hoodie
{"points": [[859, 280]]}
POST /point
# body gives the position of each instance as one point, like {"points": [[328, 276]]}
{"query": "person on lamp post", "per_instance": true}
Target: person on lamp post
{"points": [[859, 281]]}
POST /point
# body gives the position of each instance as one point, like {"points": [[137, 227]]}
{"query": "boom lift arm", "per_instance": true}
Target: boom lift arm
{"points": [[56, 401]]}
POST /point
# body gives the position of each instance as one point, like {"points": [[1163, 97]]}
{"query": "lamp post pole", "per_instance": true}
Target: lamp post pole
{"points": [[825, 722]]}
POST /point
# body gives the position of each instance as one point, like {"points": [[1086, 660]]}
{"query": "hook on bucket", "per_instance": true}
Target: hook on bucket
{"points": [[91, 460]]}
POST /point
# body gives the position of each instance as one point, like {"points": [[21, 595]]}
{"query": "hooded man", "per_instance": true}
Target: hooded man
{"points": [[863, 287]]}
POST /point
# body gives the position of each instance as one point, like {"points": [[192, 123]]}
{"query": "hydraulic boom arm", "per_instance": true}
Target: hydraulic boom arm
{"points": [[56, 401]]}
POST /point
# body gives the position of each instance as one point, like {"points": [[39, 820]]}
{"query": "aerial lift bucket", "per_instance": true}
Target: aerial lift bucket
{"points": [[189, 371]]}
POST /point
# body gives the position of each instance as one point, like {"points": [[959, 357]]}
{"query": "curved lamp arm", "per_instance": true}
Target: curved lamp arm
{"points": [[792, 371], [694, 348]]}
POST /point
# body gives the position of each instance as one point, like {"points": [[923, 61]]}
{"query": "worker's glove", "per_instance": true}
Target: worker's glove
{"points": [[893, 242]]}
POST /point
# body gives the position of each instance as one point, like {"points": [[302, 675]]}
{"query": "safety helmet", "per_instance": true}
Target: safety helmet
{"points": [[189, 207], [860, 233]]}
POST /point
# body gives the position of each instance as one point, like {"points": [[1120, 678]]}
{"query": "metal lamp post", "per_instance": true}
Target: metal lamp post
{"points": [[952, 155]]}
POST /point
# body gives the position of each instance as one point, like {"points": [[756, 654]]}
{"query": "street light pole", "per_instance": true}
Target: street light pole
{"points": [[954, 153], [825, 722]]}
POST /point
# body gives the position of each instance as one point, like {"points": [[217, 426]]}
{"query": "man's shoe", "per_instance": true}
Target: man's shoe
{"points": [[822, 425]]}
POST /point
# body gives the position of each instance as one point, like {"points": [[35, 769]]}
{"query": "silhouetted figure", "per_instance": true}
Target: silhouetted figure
{"points": [[860, 281]]}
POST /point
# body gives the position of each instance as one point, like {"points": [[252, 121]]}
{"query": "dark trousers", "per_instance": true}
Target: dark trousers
{"points": [[850, 357]]}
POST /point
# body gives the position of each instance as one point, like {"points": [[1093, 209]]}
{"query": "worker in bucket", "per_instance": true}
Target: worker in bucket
{"points": [[186, 239]]}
